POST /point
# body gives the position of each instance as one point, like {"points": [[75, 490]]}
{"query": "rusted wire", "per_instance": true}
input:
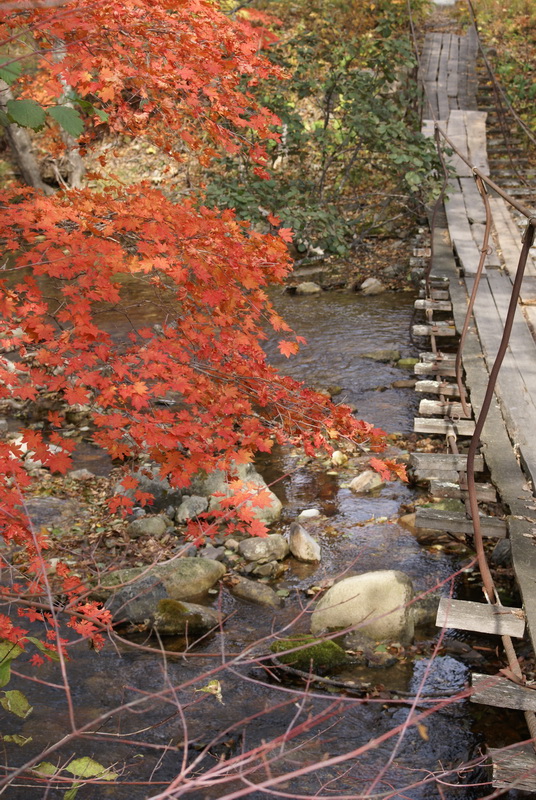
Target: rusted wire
{"points": [[472, 299]]}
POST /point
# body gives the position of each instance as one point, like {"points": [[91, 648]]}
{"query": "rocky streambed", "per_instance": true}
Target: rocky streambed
{"points": [[200, 688]]}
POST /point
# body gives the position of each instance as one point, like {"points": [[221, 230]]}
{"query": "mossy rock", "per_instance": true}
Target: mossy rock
{"points": [[318, 654]]}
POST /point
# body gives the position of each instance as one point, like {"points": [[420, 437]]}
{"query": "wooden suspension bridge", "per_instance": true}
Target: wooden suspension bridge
{"points": [[480, 229]]}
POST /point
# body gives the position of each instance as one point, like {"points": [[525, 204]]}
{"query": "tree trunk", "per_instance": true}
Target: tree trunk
{"points": [[21, 147]]}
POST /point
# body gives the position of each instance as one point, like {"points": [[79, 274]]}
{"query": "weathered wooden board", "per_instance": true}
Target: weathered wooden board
{"points": [[480, 617], [508, 237], [485, 492], [514, 768], [438, 462], [435, 368], [475, 122], [474, 204], [457, 133], [437, 387], [435, 329], [443, 427], [445, 358], [460, 230], [493, 690], [433, 305], [457, 522], [436, 408]]}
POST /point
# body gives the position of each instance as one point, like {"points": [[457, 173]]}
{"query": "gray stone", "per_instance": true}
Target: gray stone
{"points": [[269, 548], [375, 603], [231, 544], [190, 508], [139, 594], [309, 513], [255, 592], [252, 480], [302, 545], [80, 475], [175, 617], [148, 526], [368, 481], [215, 553], [271, 570], [502, 553], [372, 286], [308, 287], [384, 356]]}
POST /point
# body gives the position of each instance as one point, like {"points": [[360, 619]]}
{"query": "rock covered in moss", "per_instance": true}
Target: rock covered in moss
{"points": [[314, 653], [175, 617]]}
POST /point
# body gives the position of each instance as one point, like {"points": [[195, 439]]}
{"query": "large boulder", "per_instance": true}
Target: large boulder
{"points": [[376, 603], [270, 548], [141, 589], [191, 507], [217, 483], [160, 489]]}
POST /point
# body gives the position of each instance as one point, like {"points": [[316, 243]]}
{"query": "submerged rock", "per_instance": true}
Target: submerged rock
{"points": [[308, 287], [375, 603], [384, 356], [302, 545], [175, 617], [368, 481], [138, 600], [314, 654], [254, 592]]}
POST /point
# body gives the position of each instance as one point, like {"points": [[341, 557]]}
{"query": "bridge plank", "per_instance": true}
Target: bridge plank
{"points": [[464, 615], [494, 690], [437, 387], [457, 522], [444, 427], [514, 768], [439, 462]]}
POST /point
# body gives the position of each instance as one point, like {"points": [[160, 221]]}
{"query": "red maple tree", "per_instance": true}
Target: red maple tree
{"points": [[181, 73]]}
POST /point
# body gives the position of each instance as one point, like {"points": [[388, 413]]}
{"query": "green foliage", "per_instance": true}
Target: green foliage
{"points": [[26, 113], [17, 703], [68, 118], [10, 71], [82, 768], [349, 139]]}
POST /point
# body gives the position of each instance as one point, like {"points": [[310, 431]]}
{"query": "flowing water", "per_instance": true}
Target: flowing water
{"points": [[147, 743]]}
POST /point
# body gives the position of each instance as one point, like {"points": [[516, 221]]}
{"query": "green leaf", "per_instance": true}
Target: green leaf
{"points": [[45, 768], [87, 768], [69, 119], [17, 703], [9, 651], [73, 791], [101, 113], [41, 646], [5, 672], [26, 113], [17, 738], [10, 71]]}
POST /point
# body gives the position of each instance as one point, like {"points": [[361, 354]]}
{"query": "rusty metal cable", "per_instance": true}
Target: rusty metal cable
{"points": [[472, 299]]}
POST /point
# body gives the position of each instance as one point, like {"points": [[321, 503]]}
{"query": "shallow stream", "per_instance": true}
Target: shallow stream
{"points": [[147, 744]]}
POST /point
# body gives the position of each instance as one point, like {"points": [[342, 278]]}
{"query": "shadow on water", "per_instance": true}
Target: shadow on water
{"points": [[357, 534]]}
